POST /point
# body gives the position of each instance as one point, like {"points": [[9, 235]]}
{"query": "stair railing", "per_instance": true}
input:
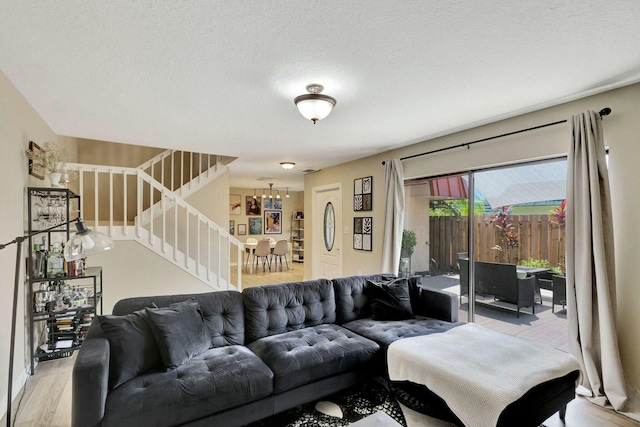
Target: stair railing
{"points": [[113, 200]]}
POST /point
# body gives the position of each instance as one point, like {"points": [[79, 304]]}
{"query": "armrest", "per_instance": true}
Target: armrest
{"points": [[90, 383], [526, 291], [438, 304]]}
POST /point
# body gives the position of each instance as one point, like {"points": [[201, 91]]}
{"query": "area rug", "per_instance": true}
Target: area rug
{"points": [[340, 409]]}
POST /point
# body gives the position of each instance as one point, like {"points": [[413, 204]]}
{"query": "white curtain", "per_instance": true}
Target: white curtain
{"points": [[591, 282], [394, 216]]}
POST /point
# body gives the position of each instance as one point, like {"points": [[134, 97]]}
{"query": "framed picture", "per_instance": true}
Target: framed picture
{"points": [[255, 225], [272, 222], [268, 203], [35, 169], [253, 206], [362, 233], [235, 204], [277, 204], [232, 227], [363, 194], [242, 229]]}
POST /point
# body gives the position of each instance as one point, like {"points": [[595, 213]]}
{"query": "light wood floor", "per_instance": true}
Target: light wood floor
{"points": [[46, 399]]}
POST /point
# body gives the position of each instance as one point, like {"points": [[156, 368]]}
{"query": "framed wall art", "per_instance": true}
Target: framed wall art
{"points": [[255, 225], [242, 229], [267, 203], [363, 194], [232, 227], [235, 204], [254, 207], [36, 169], [363, 233], [272, 222]]}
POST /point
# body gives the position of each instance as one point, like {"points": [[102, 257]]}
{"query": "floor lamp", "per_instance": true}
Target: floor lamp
{"points": [[84, 242]]}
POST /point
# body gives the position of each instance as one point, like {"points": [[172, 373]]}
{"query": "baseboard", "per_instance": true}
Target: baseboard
{"points": [[18, 384]]}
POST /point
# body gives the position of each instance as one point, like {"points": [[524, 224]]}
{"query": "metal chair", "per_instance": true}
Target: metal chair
{"points": [[281, 249], [263, 251]]}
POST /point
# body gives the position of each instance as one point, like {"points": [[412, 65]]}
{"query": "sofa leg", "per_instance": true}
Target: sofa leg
{"points": [[562, 412]]}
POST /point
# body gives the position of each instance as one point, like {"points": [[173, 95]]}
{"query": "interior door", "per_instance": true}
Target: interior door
{"points": [[327, 238]]}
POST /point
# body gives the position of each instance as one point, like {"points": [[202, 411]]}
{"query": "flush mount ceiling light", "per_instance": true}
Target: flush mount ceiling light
{"points": [[287, 165], [313, 105]]}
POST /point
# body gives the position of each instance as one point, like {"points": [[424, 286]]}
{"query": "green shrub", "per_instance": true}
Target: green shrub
{"points": [[536, 263]]}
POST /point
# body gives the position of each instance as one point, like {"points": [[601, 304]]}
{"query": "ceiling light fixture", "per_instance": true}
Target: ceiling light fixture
{"points": [[313, 105], [287, 192], [254, 194], [271, 190], [264, 196], [278, 194], [287, 165]]}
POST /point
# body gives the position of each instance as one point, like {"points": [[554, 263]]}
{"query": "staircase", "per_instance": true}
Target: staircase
{"points": [[146, 204]]}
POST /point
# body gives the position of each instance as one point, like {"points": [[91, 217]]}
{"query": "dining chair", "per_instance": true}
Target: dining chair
{"points": [[281, 249], [251, 240], [263, 252]]}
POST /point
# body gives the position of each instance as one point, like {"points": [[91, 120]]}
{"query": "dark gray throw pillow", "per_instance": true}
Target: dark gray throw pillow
{"points": [[180, 332], [390, 300], [133, 347]]}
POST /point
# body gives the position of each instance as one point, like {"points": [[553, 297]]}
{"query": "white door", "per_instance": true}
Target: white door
{"points": [[327, 236]]}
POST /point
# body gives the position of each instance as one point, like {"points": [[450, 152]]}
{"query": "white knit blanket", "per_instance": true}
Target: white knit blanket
{"points": [[476, 371]]}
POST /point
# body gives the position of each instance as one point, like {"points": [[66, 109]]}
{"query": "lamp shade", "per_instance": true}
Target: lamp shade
{"points": [[314, 106], [86, 242]]}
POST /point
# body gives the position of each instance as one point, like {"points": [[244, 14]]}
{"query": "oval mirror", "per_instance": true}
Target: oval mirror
{"points": [[329, 226]]}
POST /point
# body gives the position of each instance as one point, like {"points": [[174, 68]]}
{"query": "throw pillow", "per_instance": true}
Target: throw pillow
{"points": [[390, 300], [133, 347], [180, 332]]}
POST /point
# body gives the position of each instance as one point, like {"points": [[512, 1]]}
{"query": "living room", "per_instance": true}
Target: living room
{"points": [[21, 122]]}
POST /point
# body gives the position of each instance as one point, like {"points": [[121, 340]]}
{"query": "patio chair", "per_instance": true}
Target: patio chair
{"points": [[281, 250], [263, 252], [559, 292]]}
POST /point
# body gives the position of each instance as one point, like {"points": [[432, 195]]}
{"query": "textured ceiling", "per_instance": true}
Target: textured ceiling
{"points": [[220, 76]]}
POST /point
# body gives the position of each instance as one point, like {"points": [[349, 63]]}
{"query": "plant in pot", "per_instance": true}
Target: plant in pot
{"points": [[409, 241]]}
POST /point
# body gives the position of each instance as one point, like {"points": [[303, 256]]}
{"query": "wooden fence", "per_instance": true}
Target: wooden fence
{"points": [[538, 238]]}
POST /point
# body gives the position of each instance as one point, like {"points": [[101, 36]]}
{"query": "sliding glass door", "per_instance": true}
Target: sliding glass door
{"points": [[509, 275]]}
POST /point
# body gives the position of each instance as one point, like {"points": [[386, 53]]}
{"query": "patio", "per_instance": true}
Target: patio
{"points": [[543, 327]]}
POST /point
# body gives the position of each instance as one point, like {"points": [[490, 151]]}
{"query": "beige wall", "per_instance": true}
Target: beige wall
{"points": [[622, 135], [105, 153], [294, 202], [19, 124]]}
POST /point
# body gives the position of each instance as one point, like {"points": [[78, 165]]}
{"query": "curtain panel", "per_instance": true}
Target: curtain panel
{"points": [[394, 216]]}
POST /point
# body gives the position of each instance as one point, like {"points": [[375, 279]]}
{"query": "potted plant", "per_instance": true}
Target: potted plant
{"points": [[52, 159], [409, 241]]}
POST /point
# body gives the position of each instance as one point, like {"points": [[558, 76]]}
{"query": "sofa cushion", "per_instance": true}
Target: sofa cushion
{"points": [[384, 332], [351, 297], [133, 348], [179, 332], [390, 300], [223, 312], [275, 309], [216, 380], [306, 355]]}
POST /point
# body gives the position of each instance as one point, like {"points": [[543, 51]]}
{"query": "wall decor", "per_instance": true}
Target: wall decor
{"points": [[363, 194], [242, 229], [272, 222], [35, 169], [232, 227], [363, 233], [277, 204], [235, 204], [268, 203], [254, 207], [255, 225]]}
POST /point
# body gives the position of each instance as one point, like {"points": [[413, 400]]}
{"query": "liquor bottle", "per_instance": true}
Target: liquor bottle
{"points": [[55, 262], [39, 262]]}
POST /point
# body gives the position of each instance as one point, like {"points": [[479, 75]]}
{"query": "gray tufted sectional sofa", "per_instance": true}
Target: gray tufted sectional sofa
{"points": [[272, 348]]}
